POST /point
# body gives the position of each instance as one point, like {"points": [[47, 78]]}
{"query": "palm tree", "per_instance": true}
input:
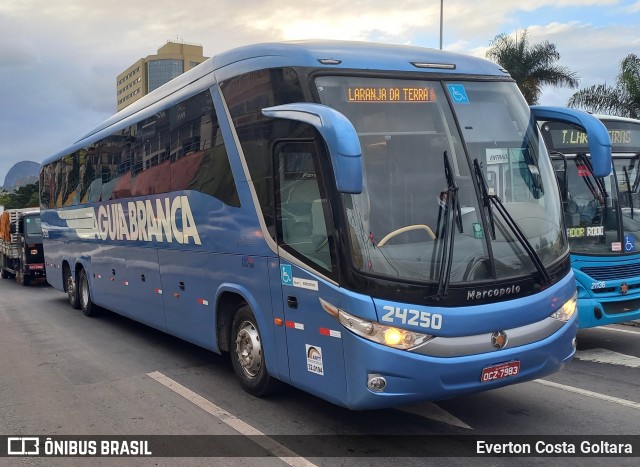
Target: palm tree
{"points": [[531, 66], [623, 99]]}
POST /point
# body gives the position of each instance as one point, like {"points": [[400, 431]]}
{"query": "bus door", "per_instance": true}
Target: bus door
{"points": [[314, 341]]}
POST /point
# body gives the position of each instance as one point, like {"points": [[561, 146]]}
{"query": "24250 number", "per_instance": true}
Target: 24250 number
{"points": [[423, 319]]}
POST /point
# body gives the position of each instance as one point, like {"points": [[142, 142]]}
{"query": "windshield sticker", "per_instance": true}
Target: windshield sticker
{"points": [[497, 156], [504, 155], [458, 93], [616, 246], [583, 171], [629, 243], [477, 230], [314, 359]]}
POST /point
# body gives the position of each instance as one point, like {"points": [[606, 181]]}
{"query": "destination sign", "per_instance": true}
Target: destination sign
{"points": [[390, 94], [625, 137]]}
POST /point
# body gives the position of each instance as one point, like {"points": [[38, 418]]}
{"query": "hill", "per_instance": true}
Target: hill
{"points": [[21, 174]]}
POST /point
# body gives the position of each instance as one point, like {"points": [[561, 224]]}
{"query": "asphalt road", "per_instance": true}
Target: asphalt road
{"points": [[64, 374]]}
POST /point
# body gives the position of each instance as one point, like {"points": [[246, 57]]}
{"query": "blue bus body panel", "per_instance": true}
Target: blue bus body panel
{"points": [[608, 289], [347, 359], [479, 319], [413, 378]]}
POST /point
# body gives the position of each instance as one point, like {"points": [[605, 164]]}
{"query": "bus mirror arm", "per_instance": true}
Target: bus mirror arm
{"points": [[338, 133], [597, 134]]}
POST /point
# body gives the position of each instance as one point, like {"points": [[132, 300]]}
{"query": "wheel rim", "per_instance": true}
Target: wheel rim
{"points": [[249, 349], [84, 292]]}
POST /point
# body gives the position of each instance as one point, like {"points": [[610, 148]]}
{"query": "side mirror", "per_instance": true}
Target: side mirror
{"points": [[338, 133], [13, 229], [597, 134]]}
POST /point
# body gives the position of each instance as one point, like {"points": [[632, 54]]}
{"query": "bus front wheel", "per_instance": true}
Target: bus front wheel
{"points": [[247, 354]]}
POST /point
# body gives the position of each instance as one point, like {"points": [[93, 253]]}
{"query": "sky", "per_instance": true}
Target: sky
{"points": [[59, 59]]}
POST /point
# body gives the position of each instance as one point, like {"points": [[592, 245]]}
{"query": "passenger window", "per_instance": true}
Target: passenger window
{"points": [[302, 209], [199, 158]]}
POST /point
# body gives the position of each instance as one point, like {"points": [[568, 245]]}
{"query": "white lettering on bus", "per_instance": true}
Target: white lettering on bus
{"points": [[144, 222], [492, 293]]}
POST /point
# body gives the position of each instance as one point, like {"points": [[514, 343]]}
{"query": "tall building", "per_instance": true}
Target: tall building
{"points": [[153, 71]]}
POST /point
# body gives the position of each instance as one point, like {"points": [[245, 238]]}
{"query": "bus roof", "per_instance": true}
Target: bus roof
{"points": [[615, 118], [329, 54], [357, 55]]}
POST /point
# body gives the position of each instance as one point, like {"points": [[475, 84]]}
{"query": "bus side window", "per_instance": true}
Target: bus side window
{"points": [[301, 204]]}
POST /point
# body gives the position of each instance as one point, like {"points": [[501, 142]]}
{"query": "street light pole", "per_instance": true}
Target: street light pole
{"points": [[441, 10]]}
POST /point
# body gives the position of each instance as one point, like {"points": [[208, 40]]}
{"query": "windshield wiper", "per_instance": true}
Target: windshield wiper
{"points": [[453, 217], [629, 193], [488, 201], [486, 197]]}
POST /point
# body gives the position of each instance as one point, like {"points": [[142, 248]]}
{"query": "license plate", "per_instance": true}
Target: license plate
{"points": [[503, 370]]}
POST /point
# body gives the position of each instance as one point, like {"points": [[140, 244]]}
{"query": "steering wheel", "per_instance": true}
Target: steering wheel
{"points": [[407, 228]]}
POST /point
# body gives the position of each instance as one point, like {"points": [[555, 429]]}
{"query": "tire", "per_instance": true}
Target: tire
{"points": [[84, 295], [247, 354], [72, 291], [21, 279]]}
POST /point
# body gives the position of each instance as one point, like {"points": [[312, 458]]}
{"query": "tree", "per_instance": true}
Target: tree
{"points": [[24, 197], [623, 99], [531, 66]]}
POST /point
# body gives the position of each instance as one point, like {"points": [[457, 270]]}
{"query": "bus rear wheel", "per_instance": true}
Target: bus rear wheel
{"points": [[247, 354], [84, 295], [72, 290]]}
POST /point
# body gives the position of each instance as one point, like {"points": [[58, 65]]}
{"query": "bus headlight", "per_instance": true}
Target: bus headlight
{"points": [[371, 330], [566, 311]]}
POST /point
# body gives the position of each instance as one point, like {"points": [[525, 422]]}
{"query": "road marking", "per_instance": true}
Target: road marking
{"points": [[275, 448], [584, 392], [607, 328], [609, 357], [434, 412]]}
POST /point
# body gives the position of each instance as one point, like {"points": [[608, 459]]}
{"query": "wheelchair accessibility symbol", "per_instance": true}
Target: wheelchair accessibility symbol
{"points": [[629, 243], [458, 93], [286, 274]]}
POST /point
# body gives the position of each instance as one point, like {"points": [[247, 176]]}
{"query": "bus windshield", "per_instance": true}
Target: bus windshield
{"points": [[602, 215], [415, 159]]}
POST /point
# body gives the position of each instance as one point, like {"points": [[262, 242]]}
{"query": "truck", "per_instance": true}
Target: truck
{"points": [[21, 252]]}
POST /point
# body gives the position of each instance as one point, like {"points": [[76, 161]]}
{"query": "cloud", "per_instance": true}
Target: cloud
{"points": [[59, 60]]}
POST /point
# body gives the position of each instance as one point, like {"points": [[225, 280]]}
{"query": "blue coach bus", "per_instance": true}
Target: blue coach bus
{"points": [[602, 216], [321, 211]]}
